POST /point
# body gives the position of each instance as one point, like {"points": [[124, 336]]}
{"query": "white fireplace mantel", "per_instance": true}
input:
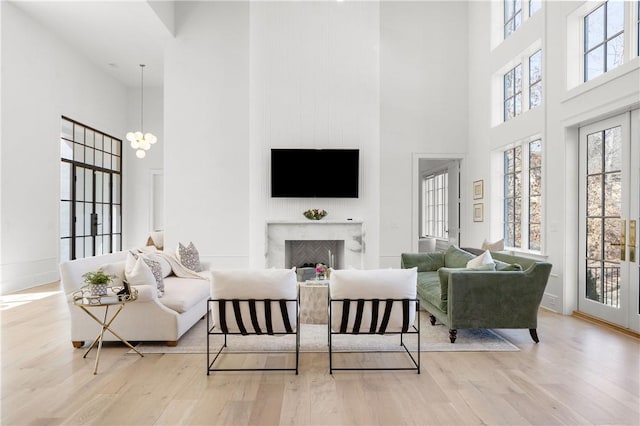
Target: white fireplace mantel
{"points": [[280, 231]]}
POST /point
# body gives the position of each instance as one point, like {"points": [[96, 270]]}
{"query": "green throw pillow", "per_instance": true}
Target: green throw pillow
{"points": [[455, 257], [425, 262]]}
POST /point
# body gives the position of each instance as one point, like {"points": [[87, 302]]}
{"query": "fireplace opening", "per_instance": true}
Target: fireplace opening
{"points": [[306, 254]]}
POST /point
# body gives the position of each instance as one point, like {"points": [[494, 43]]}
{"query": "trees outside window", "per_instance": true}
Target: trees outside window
{"points": [[603, 39], [522, 183]]}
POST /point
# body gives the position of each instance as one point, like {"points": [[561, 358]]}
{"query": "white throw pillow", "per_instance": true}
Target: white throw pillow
{"points": [[484, 259], [137, 272], [496, 246]]}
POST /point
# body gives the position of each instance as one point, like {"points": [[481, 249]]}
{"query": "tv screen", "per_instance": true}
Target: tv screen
{"points": [[322, 173]]}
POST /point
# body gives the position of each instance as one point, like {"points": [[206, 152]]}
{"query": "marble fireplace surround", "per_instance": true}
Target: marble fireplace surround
{"points": [[279, 232]]}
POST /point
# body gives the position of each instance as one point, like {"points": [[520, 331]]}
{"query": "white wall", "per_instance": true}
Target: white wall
{"points": [[42, 79], [556, 121], [206, 147], [314, 83], [423, 106], [137, 188]]}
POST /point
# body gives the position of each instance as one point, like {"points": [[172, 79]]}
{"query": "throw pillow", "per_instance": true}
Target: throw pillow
{"points": [[137, 272], [455, 257], [156, 270], [484, 259], [425, 262], [189, 257], [495, 246], [156, 239]]}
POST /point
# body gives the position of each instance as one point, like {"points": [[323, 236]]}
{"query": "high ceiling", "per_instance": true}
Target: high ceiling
{"points": [[117, 36]]}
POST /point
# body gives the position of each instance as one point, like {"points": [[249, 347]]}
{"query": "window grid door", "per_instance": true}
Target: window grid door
{"points": [[90, 191]]}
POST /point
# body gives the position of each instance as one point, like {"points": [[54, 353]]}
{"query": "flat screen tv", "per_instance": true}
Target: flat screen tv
{"points": [[320, 173]]}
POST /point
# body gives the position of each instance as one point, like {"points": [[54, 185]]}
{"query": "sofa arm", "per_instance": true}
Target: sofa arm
{"points": [[479, 299], [146, 293]]}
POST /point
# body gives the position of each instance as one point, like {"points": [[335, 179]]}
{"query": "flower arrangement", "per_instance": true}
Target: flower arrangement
{"points": [[321, 271], [315, 214]]}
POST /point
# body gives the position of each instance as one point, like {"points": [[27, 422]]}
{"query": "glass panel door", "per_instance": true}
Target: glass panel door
{"points": [[90, 192], [607, 193]]}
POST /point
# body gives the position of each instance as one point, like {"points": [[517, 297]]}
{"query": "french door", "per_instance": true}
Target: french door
{"points": [[90, 192], [609, 220]]}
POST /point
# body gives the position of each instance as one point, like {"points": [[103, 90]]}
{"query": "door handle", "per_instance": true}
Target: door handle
{"points": [[623, 238], [632, 241]]}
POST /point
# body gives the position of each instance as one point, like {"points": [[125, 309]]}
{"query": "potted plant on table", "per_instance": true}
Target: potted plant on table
{"points": [[98, 281]]}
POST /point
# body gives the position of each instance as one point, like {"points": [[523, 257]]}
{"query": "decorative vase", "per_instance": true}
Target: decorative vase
{"points": [[98, 289]]}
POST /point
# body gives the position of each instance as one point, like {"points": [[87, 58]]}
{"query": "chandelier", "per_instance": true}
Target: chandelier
{"points": [[141, 141]]}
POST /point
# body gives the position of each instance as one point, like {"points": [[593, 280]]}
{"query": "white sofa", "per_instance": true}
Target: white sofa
{"points": [[149, 318]]}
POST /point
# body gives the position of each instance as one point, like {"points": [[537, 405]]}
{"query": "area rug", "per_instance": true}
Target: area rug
{"points": [[313, 338]]}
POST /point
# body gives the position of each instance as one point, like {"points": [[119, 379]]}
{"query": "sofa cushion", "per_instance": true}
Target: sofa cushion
{"points": [[116, 270], [425, 262], [455, 257], [429, 290], [181, 294]]}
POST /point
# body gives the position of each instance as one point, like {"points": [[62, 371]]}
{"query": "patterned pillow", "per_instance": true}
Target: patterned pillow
{"points": [[156, 270], [189, 257]]}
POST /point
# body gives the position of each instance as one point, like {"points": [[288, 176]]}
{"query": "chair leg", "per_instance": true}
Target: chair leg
{"points": [[172, 343], [77, 343], [432, 320], [453, 333], [534, 335]]}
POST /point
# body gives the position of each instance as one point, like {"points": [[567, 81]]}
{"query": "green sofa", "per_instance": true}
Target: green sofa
{"points": [[460, 297]]}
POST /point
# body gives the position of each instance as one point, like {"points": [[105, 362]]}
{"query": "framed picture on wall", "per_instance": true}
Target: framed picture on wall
{"points": [[478, 212], [478, 190]]}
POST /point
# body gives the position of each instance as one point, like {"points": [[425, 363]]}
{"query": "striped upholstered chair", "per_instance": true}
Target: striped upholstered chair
{"points": [[252, 302], [372, 302]]}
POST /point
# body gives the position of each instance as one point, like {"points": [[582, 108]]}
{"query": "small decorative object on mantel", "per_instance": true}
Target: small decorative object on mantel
{"points": [[315, 214], [98, 282]]}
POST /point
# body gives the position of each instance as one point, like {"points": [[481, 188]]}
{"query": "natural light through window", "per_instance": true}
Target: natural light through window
{"points": [[603, 39], [435, 202], [535, 79], [522, 183], [512, 16], [513, 93], [534, 6]]}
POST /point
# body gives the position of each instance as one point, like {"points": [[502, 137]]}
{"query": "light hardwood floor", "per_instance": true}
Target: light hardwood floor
{"points": [[580, 374]]}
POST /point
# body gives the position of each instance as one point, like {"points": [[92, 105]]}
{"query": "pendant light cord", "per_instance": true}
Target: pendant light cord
{"points": [[142, 98]]}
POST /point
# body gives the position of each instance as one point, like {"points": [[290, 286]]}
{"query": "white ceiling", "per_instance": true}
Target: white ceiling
{"points": [[117, 36]]}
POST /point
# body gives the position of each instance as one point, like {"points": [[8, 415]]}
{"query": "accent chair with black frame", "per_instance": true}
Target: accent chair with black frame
{"points": [[370, 302], [252, 302]]}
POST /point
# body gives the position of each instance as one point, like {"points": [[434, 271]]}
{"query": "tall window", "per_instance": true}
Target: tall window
{"points": [[603, 39], [90, 191], [512, 16], [534, 6], [512, 93], [535, 79], [435, 205], [535, 195], [512, 196], [523, 196]]}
